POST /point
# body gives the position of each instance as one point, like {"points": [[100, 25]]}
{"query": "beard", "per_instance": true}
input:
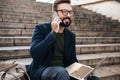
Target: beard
{"points": [[66, 22]]}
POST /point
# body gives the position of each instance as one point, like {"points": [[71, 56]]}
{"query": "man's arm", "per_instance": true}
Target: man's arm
{"points": [[40, 42]]}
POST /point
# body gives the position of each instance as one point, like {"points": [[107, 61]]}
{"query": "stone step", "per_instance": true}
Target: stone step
{"points": [[93, 59], [97, 48], [111, 72], [15, 32], [13, 7], [29, 7], [14, 52], [85, 31], [97, 40], [28, 32], [10, 25], [85, 13], [22, 20], [17, 25], [23, 51], [15, 41], [25, 61], [25, 17], [28, 18], [96, 34], [15, 2], [89, 59], [25, 41], [94, 21], [96, 29], [29, 22], [108, 72]]}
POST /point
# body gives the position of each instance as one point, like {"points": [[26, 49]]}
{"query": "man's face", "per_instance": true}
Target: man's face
{"points": [[65, 13]]}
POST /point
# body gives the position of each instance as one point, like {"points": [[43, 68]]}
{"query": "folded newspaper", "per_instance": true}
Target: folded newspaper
{"points": [[81, 71]]}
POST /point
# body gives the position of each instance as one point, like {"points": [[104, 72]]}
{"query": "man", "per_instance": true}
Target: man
{"points": [[53, 45]]}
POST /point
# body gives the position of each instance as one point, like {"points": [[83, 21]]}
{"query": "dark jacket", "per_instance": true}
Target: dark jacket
{"points": [[42, 49]]}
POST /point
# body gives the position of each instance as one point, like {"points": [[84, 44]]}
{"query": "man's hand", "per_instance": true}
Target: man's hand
{"points": [[55, 23]]}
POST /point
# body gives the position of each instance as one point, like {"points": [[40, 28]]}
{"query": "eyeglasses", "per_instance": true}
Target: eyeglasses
{"points": [[65, 12]]}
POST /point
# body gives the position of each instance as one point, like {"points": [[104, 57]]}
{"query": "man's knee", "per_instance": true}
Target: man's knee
{"points": [[55, 72], [61, 70]]}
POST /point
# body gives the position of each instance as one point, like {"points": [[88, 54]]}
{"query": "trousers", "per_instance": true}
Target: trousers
{"points": [[59, 73], [55, 73]]}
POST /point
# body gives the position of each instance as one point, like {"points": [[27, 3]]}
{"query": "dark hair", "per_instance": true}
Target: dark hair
{"points": [[57, 2]]}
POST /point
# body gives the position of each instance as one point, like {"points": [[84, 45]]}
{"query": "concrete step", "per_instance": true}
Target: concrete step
{"points": [[18, 25], [95, 21], [13, 7], [96, 34], [14, 52], [25, 61], [15, 32], [97, 40], [111, 72], [24, 17], [10, 25], [29, 7], [89, 59], [21, 20], [28, 32], [108, 72], [87, 14], [27, 17], [14, 41], [20, 51], [97, 28], [97, 48], [25, 41], [93, 59], [29, 23], [23, 51], [24, 6]]}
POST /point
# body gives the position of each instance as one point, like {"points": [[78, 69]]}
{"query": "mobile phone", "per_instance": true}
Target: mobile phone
{"points": [[55, 15], [62, 24]]}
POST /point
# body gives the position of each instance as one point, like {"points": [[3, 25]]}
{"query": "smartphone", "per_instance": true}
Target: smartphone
{"points": [[55, 15]]}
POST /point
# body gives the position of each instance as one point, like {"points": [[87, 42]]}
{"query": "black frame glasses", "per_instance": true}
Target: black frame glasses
{"points": [[65, 12]]}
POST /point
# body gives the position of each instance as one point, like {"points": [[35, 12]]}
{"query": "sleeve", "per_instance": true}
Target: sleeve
{"points": [[40, 43], [73, 50]]}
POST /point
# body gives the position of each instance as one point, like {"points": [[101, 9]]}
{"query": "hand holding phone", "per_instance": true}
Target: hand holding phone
{"points": [[55, 22]]}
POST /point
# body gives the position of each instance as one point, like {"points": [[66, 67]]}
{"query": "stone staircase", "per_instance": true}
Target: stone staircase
{"points": [[109, 8], [96, 35]]}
